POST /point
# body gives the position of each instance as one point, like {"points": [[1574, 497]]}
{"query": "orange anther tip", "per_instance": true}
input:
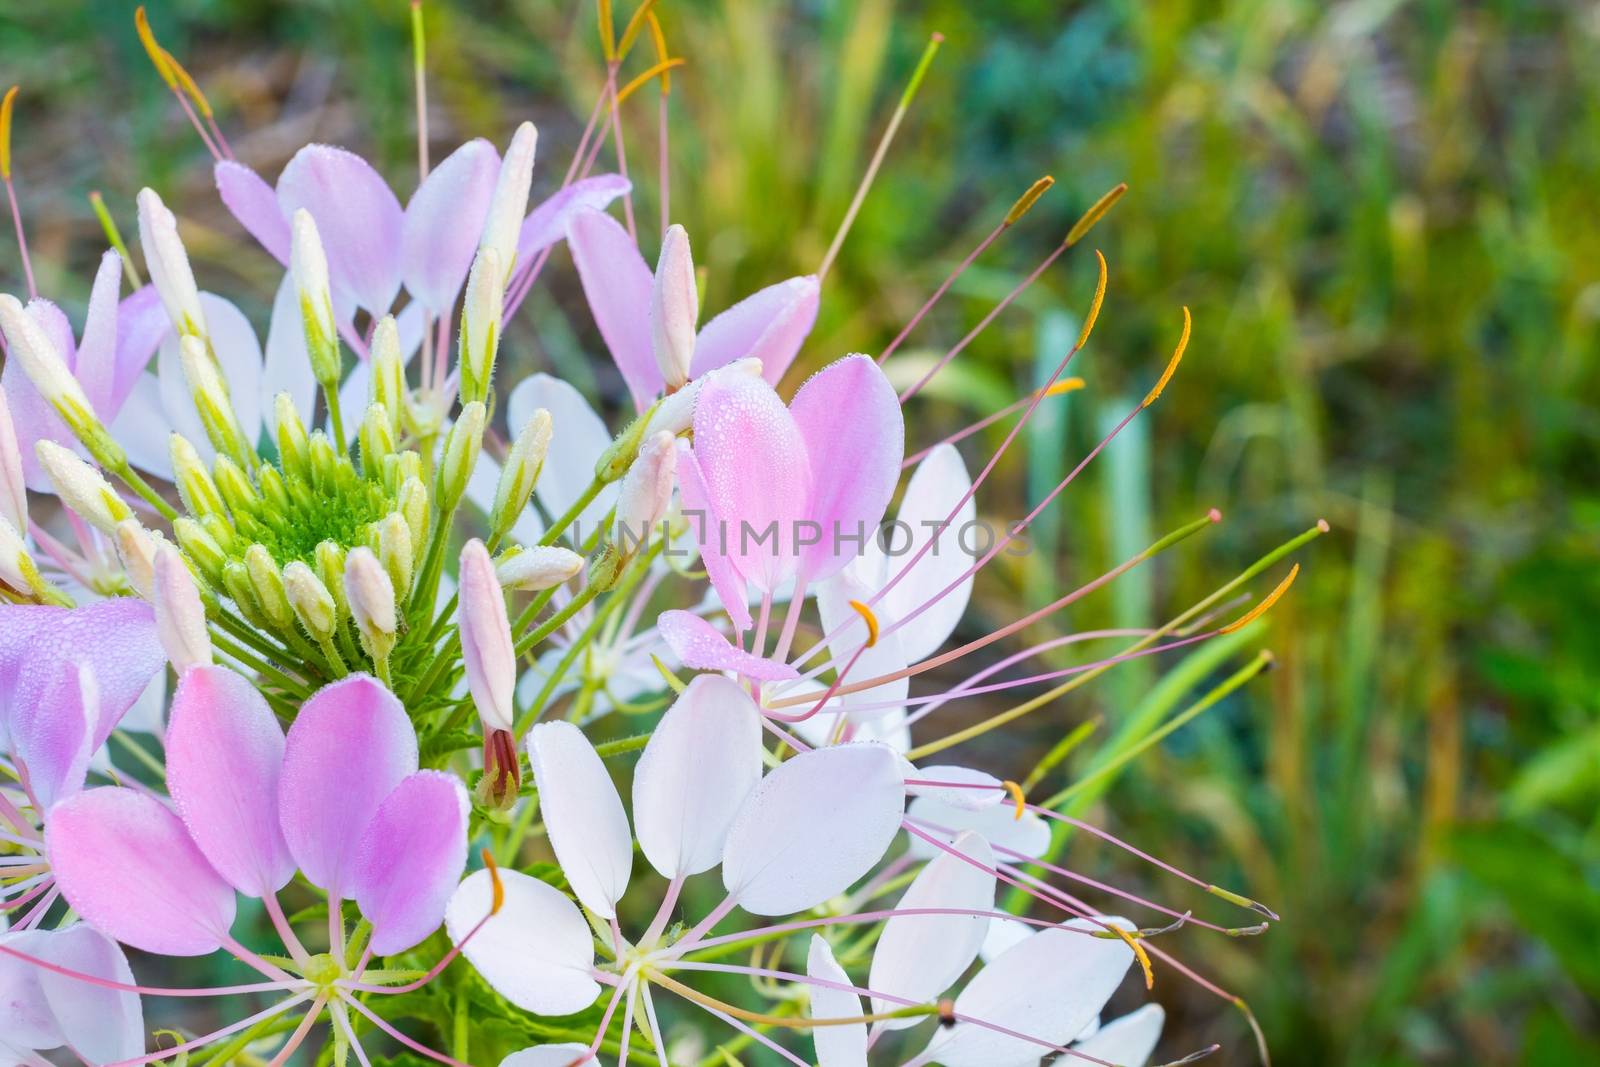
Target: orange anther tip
{"points": [[497, 901], [870, 619], [6, 107], [1172, 364], [1065, 385], [1017, 798]]}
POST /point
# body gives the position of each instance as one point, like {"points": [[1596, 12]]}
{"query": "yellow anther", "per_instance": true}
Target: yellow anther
{"points": [[153, 49], [870, 619], [1172, 364], [1266, 605], [1065, 385], [189, 85], [6, 107], [630, 32], [1029, 198], [1139, 953], [1094, 305], [1095, 213], [1017, 797], [659, 38], [608, 41], [498, 899], [643, 79]]}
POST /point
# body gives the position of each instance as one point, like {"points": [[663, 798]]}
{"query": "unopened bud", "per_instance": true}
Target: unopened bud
{"points": [[460, 455], [324, 462], [372, 602], [539, 567], [674, 412], [211, 401], [294, 447], [329, 557], [646, 491], [195, 485], [308, 264], [388, 372], [313, 604], [180, 616], [395, 550], [201, 547], [413, 500], [36, 354], [13, 489], [17, 568], [137, 549], [169, 265], [235, 488], [274, 493], [377, 440], [236, 581], [486, 647], [502, 771], [674, 308], [221, 531], [82, 488], [267, 582], [521, 472], [480, 325], [503, 225]]}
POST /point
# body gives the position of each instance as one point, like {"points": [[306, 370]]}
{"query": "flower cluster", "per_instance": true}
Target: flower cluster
{"points": [[374, 612]]}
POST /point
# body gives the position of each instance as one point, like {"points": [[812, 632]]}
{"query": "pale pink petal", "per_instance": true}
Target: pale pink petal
{"points": [[18, 625], [702, 760], [255, 204], [537, 951], [837, 1046], [1128, 1041], [969, 789], [443, 222], [770, 325], [55, 745], [702, 646], [141, 324], [30, 1022], [707, 529], [753, 461], [849, 417], [411, 859], [813, 827], [96, 364], [101, 1025], [547, 223], [357, 216], [583, 815], [938, 483], [617, 283], [998, 823], [349, 747], [886, 657], [918, 957], [126, 864], [1049, 986], [224, 759]]}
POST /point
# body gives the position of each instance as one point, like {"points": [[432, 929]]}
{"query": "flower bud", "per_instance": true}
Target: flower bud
{"points": [[211, 400], [460, 455], [521, 472], [324, 462], [480, 325], [236, 580], [372, 604], [169, 265], [308, 265], [221, 531], [377, 440], [13, 489], [235, 488], [195, 485], [413, 500], [486, 647], [36, 354], [674, 308], [388, 372], [646, 491], [267, 583], [395, 550], [497, 790], [503, 225], [294, 447], [17, 568], [201, 547], [313, 604], [330, 571], [674, 412], [539, 567], [137, 549], [180, 616], [274, 492], [82, 488]]}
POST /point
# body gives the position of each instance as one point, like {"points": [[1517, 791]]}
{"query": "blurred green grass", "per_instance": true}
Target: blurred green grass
{"points": [[1383, 217]]}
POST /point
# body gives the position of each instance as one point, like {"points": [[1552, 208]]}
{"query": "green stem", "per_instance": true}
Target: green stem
{"points": [[138, 751], [568, 517], [556, 621], [249, 659]]}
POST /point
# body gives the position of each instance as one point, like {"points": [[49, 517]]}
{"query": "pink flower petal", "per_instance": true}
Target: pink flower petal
{"points": [[617, 283], [702, 646], [849, 416], [547, 223], [141, 324], [411, 859], [358, 217], [100, 1025], [707, 527], [349, 747], [444, 221], [770, 324], [55, 745], [224, 757], [255, 204], [127, 865], [753, 461], [18, 624], [96, 364]]}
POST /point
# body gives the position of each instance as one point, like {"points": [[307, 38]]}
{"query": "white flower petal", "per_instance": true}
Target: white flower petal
{"points": [[562, 1055], [1002, 934], [1127, 1041], [998, 823], [583, 814], [970, 790], [938, 482], [837, 1046], [538, 952], [887, 656]]}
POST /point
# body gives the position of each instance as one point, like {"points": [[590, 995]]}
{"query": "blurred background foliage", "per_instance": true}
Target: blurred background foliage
{"points": [[1383, 215]]}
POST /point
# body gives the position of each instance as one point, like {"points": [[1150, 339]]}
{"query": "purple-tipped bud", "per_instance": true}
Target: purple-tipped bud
{"points": [[486, 646], [674, 309], [180, 617], [646, 489]]}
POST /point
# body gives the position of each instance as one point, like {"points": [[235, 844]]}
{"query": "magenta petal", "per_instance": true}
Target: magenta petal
{"points": [[547, 223], [753, 460], [702, 646], [617, 283], [96, 365], [412, 855], [224, 756], [696, 500], [116, 639], [255, 204], [357, 216], [141, 324], [771, 325], [850, 418], [57, 741], [444, 222], [349, 747], [126, 864]]}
